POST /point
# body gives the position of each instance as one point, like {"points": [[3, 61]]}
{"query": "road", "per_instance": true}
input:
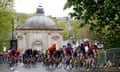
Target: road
{"points": [[41, 68]]}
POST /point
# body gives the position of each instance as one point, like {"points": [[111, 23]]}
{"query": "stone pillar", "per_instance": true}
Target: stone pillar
{"points": [[20, 42], [29, 42], [61, 40], [24, 42], [49, 39]]}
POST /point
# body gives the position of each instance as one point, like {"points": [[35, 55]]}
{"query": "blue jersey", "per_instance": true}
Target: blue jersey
{"points": [[69, 49], [13, 52]]}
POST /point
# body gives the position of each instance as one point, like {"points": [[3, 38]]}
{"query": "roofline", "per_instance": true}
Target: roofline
{"points": [[39, 29]]}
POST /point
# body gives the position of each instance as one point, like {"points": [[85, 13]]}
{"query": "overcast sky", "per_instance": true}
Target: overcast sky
{"points": [[51, 7]]}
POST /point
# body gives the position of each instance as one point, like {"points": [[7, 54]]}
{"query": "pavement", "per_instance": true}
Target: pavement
{"points": [[40, 68]]}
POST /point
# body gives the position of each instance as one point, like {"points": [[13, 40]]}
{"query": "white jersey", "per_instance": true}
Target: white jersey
{"points": [[86, 48]]}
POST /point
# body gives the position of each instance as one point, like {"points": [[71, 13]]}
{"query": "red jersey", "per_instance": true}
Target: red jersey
{"points": [[52, 48], [93, 48], [85, 43], [17, 53], [12, 52], [3, 55]]}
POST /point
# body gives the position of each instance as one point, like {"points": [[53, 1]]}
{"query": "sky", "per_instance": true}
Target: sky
{"points": [[51, 7]]}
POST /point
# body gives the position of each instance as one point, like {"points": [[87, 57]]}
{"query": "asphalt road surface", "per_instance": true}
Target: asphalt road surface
{"points": [[40, 68]]}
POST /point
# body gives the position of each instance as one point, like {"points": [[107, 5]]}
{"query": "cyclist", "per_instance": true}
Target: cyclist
{"points": [[64, 47], [11, 55], [27, 55], [92, 54], [86, 45], [17, 53], [12, 52], [51, 51], [28, 52], [92, 51], [68, 53], [81, 52], [57, 57], [35, 55]]}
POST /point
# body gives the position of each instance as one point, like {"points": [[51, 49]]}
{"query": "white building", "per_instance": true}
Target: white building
{"points": [[38, 32]]}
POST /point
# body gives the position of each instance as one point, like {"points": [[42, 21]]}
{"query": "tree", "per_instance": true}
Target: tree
{"points": [[20, 18], [77, 32], [61, 24], [103, 17], [6, 14]]}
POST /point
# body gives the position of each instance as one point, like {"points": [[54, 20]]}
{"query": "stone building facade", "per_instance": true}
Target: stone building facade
{"points": [[38, 32]]}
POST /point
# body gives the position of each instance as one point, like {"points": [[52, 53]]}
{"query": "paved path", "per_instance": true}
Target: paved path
{"points": [[4, 68], [41, 68]]}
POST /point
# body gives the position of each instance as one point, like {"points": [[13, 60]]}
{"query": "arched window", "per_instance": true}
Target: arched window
{"points": [[37, 45]]}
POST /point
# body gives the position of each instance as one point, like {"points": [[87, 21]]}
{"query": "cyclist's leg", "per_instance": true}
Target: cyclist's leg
{"points": [[94, 61], [67, 60], [88, 61]]}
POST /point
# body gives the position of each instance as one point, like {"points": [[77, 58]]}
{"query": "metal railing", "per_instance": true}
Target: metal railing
{"points": [[112, 55]]}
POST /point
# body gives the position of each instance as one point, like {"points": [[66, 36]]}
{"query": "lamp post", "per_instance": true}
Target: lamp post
{"points": [[13, 28], [13, 42]]}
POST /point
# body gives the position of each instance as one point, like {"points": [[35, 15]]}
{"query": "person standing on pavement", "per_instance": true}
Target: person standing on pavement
{"points": [[3, 57]]}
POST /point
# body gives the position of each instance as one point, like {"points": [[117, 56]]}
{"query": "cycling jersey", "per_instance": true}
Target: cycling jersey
{"points": [[68, 51], [92, 50], [17, 53], [35, 52], [12, 52], [57, 54], [52, 49], [85, 43], [81, 49], [28, 52]]}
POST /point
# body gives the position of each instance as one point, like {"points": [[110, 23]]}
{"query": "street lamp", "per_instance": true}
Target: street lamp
{"points": [[13, 28], [13, 42]]}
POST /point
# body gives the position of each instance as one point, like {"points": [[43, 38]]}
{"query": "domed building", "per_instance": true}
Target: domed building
{"points": [[38, 32]]}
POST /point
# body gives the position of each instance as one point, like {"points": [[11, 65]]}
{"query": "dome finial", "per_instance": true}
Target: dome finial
{"points": [[40, 10]]}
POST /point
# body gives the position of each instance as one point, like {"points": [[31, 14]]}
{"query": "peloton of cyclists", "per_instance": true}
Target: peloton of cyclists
{"points": [[86, 52], [30, 54], [90, 53]]}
